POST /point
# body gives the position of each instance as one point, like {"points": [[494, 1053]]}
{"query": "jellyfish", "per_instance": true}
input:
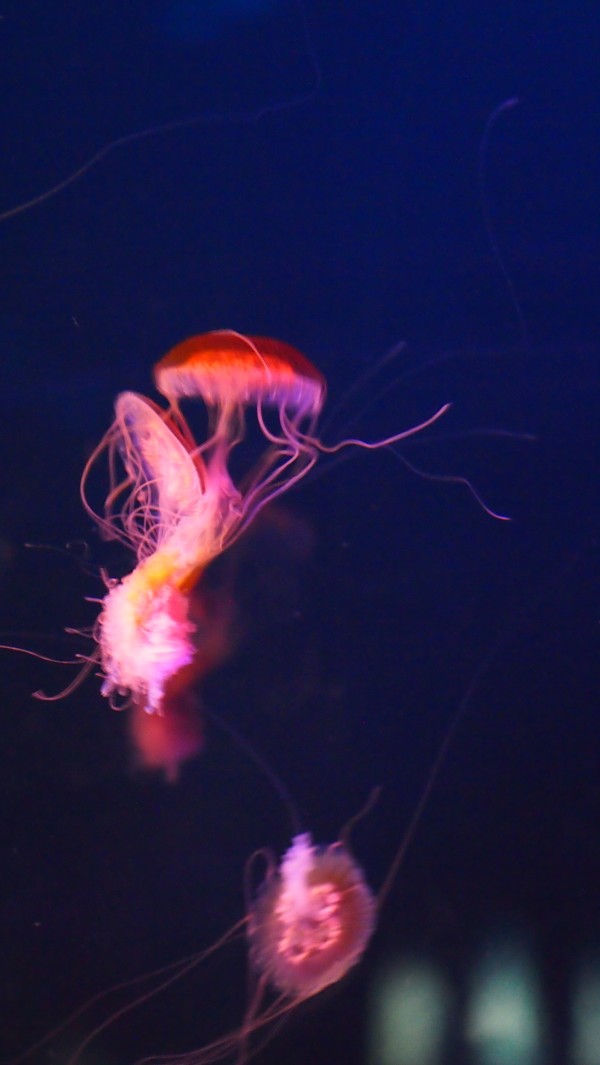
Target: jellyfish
{"points": [[312, 919], [231, 372], [178, 506], [308, 924]]}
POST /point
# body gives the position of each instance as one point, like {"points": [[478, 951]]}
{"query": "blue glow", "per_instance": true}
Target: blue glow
{"points": [[409, 1011], [504, 1023], [585, 1048]]}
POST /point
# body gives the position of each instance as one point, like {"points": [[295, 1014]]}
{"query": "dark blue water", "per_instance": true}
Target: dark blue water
{"points": [[335, 194]]}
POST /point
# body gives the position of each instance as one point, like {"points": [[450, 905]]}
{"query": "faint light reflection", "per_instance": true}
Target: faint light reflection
{"points": [[505, 1021], [417, 1016], [409, 1011], [585, 1048]]}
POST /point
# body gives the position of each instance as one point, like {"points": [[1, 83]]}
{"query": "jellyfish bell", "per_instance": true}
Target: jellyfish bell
{"points": [[229, 370], [232, 373], [308, 926]]}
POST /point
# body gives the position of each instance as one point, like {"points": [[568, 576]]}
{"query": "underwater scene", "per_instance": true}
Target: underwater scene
{"points": [[299, 517]]}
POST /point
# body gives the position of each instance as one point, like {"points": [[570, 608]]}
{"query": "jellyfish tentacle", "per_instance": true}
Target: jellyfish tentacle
{"points": [[452, 478]]}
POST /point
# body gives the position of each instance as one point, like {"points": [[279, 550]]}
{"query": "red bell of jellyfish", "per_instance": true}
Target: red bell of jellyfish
{"points": [[227, 369], [231, 373], [312, 920]]}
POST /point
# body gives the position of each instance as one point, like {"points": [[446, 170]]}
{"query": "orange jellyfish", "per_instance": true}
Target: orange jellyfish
{"points": [[178, 505], [178, 509], [231, 373]]}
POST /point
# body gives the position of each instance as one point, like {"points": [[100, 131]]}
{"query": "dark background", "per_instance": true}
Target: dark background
{"points": [[345, 217]]}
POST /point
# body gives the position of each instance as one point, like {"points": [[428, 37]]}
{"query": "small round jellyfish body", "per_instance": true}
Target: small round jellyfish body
{"points": [[312, 919], [309, 924]]}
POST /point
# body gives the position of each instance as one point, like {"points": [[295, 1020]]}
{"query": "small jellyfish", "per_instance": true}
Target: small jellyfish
{"points": [[312, 920], [309, 924]]}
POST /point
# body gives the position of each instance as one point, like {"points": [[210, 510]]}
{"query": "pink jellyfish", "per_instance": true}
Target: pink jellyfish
{"points": [[306, 925], [178, 505], [179, 509], [309, 924], [145, 632], [312, 919]]}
